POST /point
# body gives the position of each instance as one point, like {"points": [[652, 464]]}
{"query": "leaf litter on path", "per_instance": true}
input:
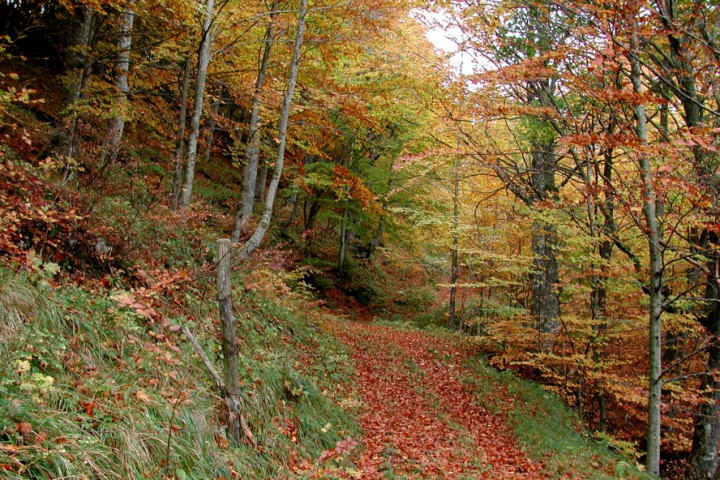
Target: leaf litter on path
{"points": [[419, 420]]}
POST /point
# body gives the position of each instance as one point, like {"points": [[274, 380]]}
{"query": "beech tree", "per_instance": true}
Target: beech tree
{"points": [[619, 137], [200, 78], [77, 65], [256, 238], [680, 57], [252, 149], [524, 45], [116, 125], [180, 135]]}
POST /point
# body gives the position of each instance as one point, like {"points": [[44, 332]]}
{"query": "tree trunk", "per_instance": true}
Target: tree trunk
{"points": [[212, 125], [704, 454], [545, 304], [343, 241], [180, 137], [254, 241], [704, 459], [454, 267], [203, 62], [252, 150], [77, 54], [295, 202], [598, 300], [260, 183], [311, 216], [652, 462], [377, 239], [117, 123], [77, 64]]}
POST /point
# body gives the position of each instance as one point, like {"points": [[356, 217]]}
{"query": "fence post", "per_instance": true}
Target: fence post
{"points": [[228, 341]]}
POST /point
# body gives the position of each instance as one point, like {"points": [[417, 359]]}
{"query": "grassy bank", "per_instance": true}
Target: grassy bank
{"points": [[93, 387]]}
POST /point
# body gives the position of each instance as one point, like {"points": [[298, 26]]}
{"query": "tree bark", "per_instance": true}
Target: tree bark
{"points": [[295, 202], [77, 64], [704, 453], [180, 137], [652, 463], [343, 241], [252, 150], [77, 54], [116, 125], [254, 241], [203, 62], [599, 293], [212, 125], [545, 304], [454, 267], [260, 183]]}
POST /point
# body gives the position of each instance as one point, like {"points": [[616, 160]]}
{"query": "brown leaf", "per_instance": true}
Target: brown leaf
{"points": [[143, 397]]}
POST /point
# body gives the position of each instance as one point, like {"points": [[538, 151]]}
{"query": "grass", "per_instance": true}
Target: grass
{"points": [[548, 430], [92, 390]]}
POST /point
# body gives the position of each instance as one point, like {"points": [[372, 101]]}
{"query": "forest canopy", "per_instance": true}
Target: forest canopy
{"points": [[548, 189]]}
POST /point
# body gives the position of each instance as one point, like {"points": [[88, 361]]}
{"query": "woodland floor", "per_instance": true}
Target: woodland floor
{"points": [[420, 419]]}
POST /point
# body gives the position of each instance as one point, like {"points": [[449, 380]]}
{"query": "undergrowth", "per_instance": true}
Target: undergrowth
{"points": [[549, 430], [91, 388]]}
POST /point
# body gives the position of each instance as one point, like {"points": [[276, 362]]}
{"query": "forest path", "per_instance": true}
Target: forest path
{"points": [[419, 418]]}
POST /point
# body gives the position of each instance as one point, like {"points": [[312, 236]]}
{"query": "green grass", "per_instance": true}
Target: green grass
{"points": [[91, 390], [548, 430]]}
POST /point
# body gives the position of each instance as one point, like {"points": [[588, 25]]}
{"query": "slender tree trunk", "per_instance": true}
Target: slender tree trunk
{"points": [[377, 238], [295, 202], [180, 137], [116, 126], [599, 292], [652, 462], [254, 241], [343, 241], [454, 267], [311, 215], [203, 62], [704, 455], [252, 150], [212, 125]]}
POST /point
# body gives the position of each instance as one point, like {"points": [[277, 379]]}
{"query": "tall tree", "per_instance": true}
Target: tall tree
{"points": [[524, 44], [200, 79], [652, 462], [77, 65], [116, 125], [252, 149], [180, 135], [682, 57], [258, 235]]}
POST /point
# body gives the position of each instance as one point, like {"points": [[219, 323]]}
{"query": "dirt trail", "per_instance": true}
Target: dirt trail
{"points": [[419, 419]]}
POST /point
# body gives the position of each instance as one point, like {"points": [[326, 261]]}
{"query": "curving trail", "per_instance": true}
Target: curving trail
{"points": [[419, 419]]}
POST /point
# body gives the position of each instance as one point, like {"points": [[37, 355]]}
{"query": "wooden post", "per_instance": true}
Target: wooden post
{"points": [[229, 344]]}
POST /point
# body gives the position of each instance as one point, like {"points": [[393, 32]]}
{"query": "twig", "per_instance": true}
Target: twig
{"points": [[234, 407], [205, 359]]}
